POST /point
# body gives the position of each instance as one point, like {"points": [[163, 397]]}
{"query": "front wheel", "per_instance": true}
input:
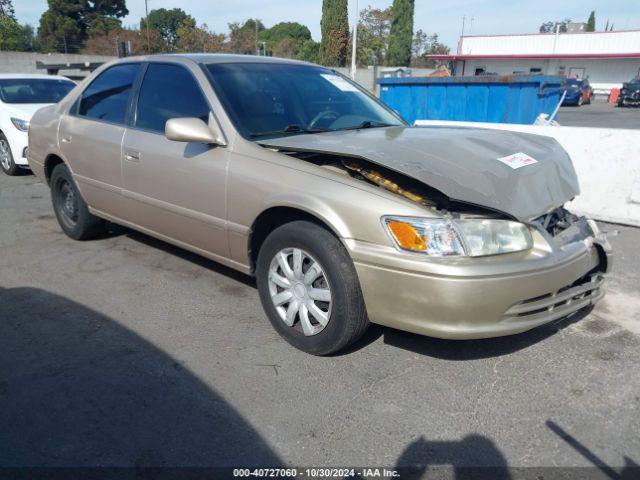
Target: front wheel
{"points": [[309, 288], [71, 211], [7, 164]]}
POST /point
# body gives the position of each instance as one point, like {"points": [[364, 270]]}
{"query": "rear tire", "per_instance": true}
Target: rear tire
{"points": [[71, 210], [344, 305], [7, 164]]}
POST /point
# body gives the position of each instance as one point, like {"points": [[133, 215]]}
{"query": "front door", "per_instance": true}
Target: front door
{"points": [[91, 135], [174, 189]]}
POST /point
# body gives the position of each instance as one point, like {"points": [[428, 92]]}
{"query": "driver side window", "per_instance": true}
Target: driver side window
{"points": [[168, 91]]}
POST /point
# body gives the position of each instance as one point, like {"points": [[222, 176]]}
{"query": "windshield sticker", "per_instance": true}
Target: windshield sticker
{"points": [[518, 160], [340, 83]]}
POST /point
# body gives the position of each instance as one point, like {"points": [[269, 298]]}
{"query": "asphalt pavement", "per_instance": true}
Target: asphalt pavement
{"points": [[600, 114], [126, 351]]}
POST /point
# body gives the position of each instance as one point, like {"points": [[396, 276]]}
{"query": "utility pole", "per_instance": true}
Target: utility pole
{"points": [[146, 10], [257, 47], [354, 45]]}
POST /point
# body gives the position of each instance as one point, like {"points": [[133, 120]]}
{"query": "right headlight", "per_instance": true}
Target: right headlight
{"points": [[458, 237]]}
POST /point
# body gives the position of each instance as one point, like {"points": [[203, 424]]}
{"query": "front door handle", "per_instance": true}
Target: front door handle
{"points": [[66, 139], [132, 156]]}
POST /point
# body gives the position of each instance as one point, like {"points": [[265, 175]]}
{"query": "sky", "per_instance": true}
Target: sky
{"points": [[441, 17]]}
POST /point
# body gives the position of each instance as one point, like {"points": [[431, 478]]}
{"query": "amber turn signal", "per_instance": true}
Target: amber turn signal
{"points": [[407, 236]]}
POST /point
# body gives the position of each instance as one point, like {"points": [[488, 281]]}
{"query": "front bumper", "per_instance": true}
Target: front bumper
{"points": [[466, 300], [18, 143]]}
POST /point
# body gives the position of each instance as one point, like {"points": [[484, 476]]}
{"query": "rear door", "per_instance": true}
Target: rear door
{"points": [[90, 137], [175, 189]]}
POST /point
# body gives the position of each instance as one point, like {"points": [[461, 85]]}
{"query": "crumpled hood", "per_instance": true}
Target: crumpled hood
{"points": [[462, 163]]}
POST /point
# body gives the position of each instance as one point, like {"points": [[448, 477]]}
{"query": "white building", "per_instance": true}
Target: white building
{"points": [[607, 58]]}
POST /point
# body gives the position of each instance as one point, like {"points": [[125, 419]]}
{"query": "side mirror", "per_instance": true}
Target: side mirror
{"points": [[194, 130]]}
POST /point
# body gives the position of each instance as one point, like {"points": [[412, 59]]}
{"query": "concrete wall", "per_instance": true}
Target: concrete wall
{"points": [[25, 62], [367, 76], [607, 162]]}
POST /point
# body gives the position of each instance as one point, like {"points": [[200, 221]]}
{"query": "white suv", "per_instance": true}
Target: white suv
{"points": [[20, 96]]}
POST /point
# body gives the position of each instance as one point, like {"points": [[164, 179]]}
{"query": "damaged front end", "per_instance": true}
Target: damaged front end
{"points": [[397, 183]]}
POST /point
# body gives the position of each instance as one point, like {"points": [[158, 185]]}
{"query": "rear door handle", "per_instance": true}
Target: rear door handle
{"points": [[132, 156]]}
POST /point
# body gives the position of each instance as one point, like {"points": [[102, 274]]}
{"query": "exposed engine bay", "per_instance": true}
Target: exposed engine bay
{"points": [[397, 183]]}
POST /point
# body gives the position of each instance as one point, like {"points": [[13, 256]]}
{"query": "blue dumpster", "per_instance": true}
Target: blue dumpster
{"points": [[497, 99]]}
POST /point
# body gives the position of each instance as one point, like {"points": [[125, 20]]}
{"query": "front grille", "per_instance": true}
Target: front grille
{"points": [[557, 304]]}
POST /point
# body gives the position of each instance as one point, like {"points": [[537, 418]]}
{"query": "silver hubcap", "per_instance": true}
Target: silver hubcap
{"points": [[300, 291], [5, 155]]}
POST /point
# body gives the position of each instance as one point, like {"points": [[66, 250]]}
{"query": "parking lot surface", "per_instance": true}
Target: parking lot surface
{"points": [[599, 114], [126, 351]]}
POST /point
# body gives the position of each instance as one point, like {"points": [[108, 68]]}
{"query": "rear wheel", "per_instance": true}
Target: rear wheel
{"points": [[6, 158], [309, 288], [70, 209]]}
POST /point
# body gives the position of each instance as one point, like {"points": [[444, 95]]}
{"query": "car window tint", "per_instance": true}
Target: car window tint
{"points": [[265, 99], [108, 95], [168, 91]]}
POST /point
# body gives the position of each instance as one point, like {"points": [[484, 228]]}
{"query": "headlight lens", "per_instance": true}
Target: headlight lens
{"points": [[20, 124], [460, 237]]}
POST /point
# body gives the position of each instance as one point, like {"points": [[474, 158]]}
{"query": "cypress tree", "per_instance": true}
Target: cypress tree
{"points": [[335, 33], [591, 23], [401, 36]]}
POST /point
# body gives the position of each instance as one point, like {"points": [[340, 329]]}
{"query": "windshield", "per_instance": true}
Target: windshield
{"points": [[269, 100], [34, 90]]}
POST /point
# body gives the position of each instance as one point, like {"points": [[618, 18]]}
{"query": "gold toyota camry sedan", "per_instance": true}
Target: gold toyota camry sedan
{"points": [[344, 213]]}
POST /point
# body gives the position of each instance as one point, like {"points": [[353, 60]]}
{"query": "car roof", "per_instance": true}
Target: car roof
{"points": [[220, 58], [32, 75]]}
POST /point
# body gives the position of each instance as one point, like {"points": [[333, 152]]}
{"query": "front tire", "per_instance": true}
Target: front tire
{"points": [[71, 211], [7, 164], [309, 288]]}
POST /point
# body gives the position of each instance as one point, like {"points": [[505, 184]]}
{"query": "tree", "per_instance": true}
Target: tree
{"points": [[13, 36], [67, 23], [192, 38], [309, 51], [100, 24], [62, 27], [166, 22], [285, 39], [107, 43], [242, 38], [373, 35], [550, 27], [335, 33], [401, 34], [6, 9], [424, 45], [591, 23]]}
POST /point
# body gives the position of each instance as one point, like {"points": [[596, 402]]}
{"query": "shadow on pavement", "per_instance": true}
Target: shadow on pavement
{"points": [[78, 389], [631, 469], [475, 456], [477, 349]]}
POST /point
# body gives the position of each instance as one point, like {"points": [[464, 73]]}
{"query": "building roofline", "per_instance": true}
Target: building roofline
{"points": [[537, 56], [548, 33]]}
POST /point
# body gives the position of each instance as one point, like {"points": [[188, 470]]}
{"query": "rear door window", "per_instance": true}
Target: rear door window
{"points": [[107, 97], [168, 91]]}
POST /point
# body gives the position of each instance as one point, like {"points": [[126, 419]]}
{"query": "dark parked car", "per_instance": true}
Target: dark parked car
{"points": [[630, 94], [578, 91]]}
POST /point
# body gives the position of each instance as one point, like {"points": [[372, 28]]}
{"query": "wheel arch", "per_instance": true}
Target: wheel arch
{"points": [[277, 215], [51, 161]]}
